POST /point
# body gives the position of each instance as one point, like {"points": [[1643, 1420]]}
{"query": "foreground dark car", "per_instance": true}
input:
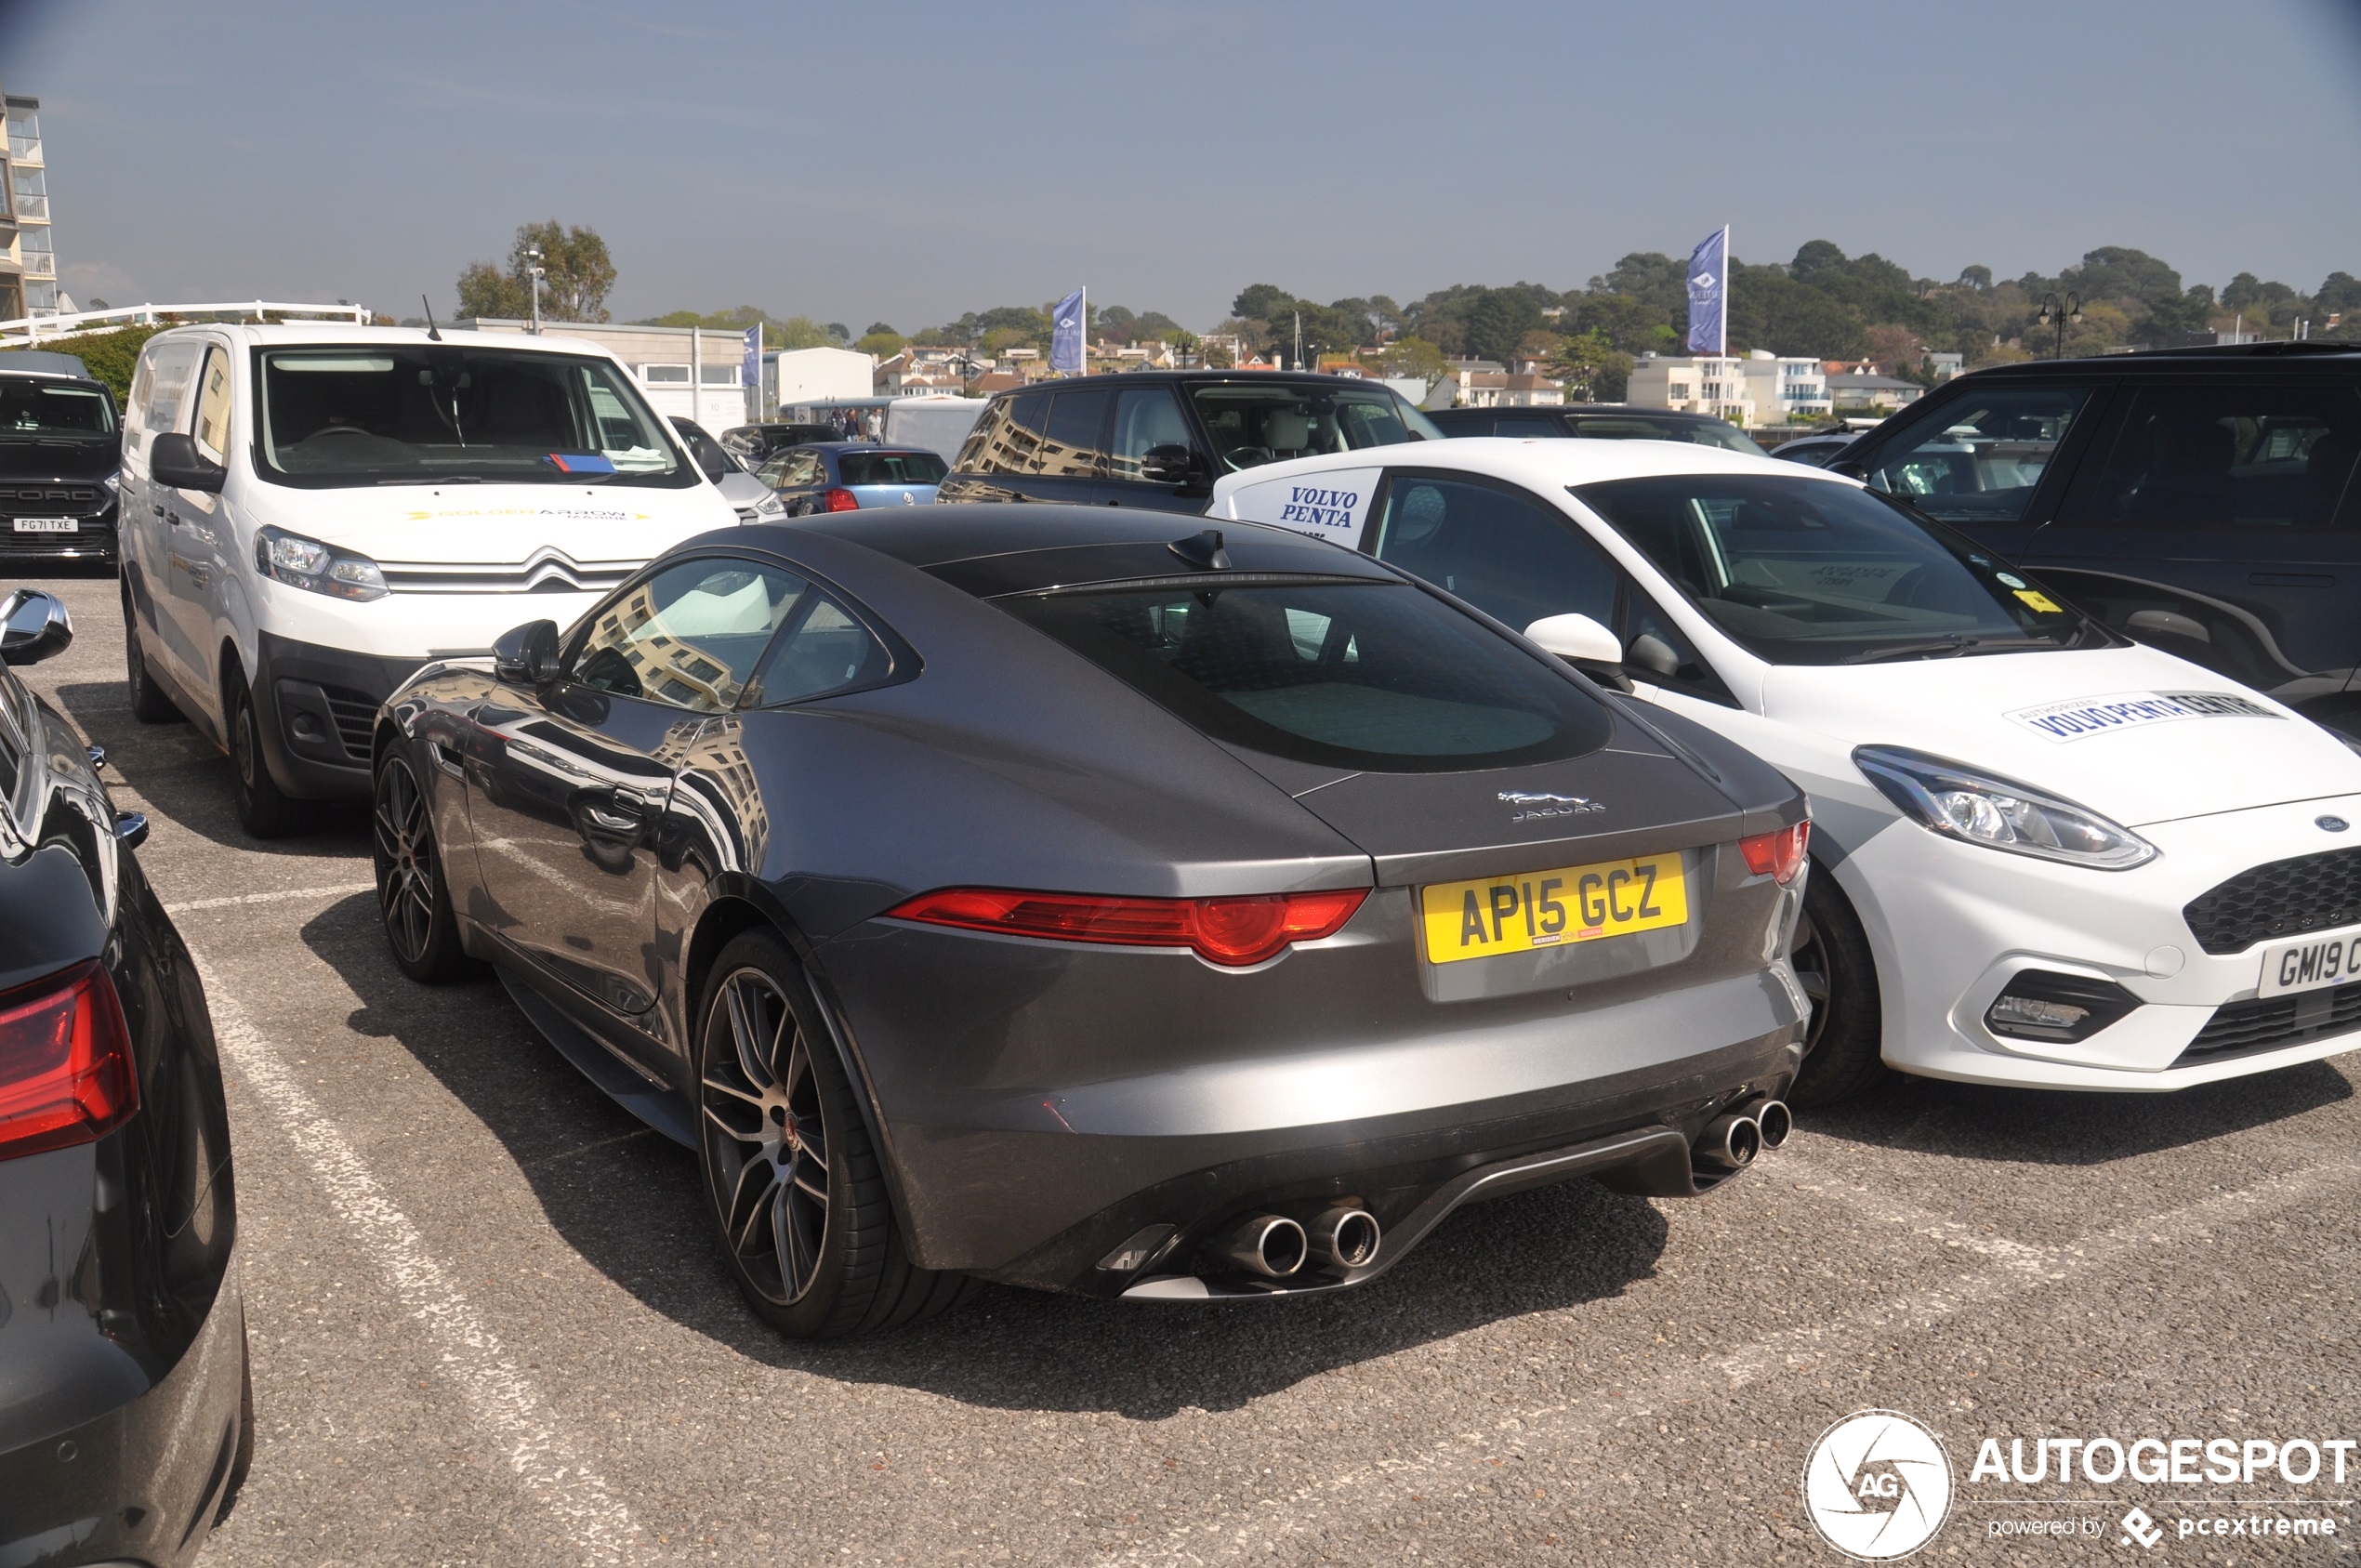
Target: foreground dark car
{"points": [[125, 1426], [1051, 895]]}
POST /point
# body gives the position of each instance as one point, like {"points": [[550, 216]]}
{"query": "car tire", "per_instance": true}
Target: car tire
{"points": [[149, 704], [805, 1224], [1844, 1040], [414, 897], [263, 809]]}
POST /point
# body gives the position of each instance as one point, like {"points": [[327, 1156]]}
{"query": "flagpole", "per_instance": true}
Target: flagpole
{"points": [[1082, 356], [1721, 347]]}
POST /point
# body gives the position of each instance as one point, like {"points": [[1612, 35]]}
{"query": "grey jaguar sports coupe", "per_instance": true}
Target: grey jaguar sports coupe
{"points": [[1025, 893]]}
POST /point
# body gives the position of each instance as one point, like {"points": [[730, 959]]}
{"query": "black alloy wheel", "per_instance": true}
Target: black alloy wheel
{"points": [[792, 1180], [264, 809], [1843, 1041], [413, 899], [149, 704]]}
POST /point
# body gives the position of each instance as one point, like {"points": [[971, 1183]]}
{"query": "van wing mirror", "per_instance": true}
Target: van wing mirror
{"points": [[1578, 637], [34, 626], [174, 460], [526, 655]]}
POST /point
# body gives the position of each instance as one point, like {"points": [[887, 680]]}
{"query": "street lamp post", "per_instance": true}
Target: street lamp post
{"points": [[2053, 313], [532, 256]]}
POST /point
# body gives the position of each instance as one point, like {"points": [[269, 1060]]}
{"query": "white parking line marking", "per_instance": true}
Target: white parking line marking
{"points": [[2017, 1268], [504, 1401], [341, 889]]}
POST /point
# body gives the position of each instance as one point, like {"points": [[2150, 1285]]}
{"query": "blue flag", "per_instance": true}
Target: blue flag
{"points": [[750, 368], [1065, 335], [1709, 294]]}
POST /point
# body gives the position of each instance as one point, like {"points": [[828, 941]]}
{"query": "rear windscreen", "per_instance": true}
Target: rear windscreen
{"points": [[1382, 677], [889, 467]]}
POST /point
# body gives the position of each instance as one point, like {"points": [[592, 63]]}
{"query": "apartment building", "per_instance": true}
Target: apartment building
{"points": [[1755, 388], [29, 265]]}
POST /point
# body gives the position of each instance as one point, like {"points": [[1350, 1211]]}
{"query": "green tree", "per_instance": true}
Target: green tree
{"points": [[1413, 356], [800, 331], [577, 276], [884, 345], [1262, 302], [1497, 319], [111, 356], [1593, 368]]}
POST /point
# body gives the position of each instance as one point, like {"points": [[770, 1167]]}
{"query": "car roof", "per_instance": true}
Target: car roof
{"points": [[1540, 462], [1014, 546], [339, 334], [1190, 377]]}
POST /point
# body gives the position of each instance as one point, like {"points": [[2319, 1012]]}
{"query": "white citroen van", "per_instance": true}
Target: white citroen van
{"points": [[311, 512]]}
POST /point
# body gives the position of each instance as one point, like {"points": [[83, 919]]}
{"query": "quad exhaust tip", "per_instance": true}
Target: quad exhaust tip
{"points": [[1773, 1121], [1345, 1239], [1268, 1245]]}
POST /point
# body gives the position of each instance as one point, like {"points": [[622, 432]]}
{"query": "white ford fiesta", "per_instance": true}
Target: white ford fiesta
{"points": [[311, 512], [2046, 855]]}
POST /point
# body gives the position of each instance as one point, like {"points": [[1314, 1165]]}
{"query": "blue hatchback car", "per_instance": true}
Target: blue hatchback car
{"points": [[847, 476]]}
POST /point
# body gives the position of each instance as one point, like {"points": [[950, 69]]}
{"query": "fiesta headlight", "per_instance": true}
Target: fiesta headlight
{"points": [[1998, 813], [317, 568]]}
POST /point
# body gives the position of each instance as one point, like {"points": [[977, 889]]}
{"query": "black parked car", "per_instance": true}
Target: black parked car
{"points": [[1160, 438], [2201, 500], [1030, 893], [757, 444], [126, 1419], [60, 443], [1596, 421]]}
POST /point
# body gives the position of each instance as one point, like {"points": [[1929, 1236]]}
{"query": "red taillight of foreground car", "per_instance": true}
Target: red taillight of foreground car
{"points": [[1237, 931], [1778, 855], [65, 1062], [836, 498]]}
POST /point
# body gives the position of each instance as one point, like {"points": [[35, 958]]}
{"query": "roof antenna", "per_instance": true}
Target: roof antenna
{"points": [[1203, 551], [433, 335]]}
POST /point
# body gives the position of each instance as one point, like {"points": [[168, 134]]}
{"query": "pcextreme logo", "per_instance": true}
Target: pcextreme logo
{"points": [[1877, 1486]]}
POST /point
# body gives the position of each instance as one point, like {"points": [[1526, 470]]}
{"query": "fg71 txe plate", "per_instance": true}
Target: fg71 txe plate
{"points": [[47, 525], [2309, 963], [1496, 914]]}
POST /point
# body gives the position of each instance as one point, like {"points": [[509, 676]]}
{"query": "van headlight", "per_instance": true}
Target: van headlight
{"points": [[1998, 813], [307, 563]]}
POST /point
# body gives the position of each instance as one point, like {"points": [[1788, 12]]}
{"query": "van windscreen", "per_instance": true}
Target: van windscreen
{"points": [[340, 417]]}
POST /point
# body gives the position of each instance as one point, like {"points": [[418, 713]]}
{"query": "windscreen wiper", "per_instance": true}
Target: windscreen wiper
{"points": [[438, 479], [1951, 649]]}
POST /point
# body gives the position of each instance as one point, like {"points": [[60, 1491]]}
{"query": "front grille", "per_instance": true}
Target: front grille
{"points": [[29, 499], [2269, 1023], [356, 715], [538, 576], [2285, 898]]}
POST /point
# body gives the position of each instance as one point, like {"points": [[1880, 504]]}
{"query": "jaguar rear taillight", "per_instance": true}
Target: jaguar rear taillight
{"points": [[66, 1075], [1233, 931], [1777, 855], [836, 498]]}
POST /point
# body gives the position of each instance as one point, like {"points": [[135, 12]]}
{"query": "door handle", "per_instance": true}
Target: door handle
{"points": [[609, 820]]}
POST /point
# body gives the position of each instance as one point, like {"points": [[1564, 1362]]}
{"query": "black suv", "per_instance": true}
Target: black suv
{"points": [[1596, 421], [1159, 438], [61, 444], [2200, 500]]}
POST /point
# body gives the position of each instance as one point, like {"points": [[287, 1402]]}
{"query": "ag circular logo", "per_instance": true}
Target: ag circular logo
{"points": [[1877, 1486]]}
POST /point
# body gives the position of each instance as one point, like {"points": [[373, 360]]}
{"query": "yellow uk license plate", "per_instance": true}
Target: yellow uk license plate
{"points": [[1498, 915]]}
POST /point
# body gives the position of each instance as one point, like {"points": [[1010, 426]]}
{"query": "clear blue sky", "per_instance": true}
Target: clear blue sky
{"points": [[905, 161]]}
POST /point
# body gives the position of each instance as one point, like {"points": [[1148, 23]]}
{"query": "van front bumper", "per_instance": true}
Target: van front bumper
{"points": [[317, 709]]}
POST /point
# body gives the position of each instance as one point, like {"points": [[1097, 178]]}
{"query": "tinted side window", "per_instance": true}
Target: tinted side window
{"points": [[2251, 456], [1979, 459], [1525, 425], [689, 634], [1502, 551], [212, 426], [823, 649], [168, 393], [1072, 447], [1145, 418]]}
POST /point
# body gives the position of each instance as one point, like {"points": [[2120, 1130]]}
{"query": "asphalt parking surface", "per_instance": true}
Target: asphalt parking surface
{"points": [[489, 1326]]}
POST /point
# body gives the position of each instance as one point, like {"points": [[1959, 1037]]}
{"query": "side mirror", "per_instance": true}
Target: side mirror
{"points": [[715, 462], [34, 626], [174, 460], [526, 655], [1172, 464], [1578, 637]]}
